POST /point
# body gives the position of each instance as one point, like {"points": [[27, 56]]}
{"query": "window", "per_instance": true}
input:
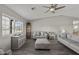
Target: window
{"points": [[5, 25], [76, 27], [19, 26]]}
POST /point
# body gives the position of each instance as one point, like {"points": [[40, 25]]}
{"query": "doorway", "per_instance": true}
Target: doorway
{"points": [[28, 30]]}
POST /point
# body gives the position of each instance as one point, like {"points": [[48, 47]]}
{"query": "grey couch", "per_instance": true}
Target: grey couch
{"points": [[17, 41], [36, 35], [69, 40]]}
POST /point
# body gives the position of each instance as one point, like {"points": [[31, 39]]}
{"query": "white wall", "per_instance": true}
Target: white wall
{"points": [[53, 24], [6, 10]]}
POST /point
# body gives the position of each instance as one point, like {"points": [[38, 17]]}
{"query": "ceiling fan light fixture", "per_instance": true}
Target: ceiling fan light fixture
{"points": [[52, 9]]}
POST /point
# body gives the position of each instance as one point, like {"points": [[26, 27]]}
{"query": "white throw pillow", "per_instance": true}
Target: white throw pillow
{"points": [[1, 52], [63, 35], [69, 36]]}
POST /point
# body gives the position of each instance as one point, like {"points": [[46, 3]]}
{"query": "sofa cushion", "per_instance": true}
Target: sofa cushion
{"points": [[69, 36], [63, 35], [2, 52], [75, 38]]}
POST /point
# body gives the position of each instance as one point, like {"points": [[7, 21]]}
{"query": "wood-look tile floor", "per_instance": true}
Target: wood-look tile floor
{"points": [[56, 49]]}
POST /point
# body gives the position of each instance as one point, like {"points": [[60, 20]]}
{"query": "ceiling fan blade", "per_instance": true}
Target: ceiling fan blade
{"points": [[60, 7], [45, 6], [46, 11]]}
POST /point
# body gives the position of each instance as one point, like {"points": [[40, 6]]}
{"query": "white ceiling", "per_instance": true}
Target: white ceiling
{"points": [[25, 10]]}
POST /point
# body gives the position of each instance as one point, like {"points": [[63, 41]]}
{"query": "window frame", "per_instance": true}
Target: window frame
{"points": [[18, 27], [5, 30]]}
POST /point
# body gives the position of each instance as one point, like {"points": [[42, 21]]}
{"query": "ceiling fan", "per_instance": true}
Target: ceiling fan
{"points": [[53, 7]]}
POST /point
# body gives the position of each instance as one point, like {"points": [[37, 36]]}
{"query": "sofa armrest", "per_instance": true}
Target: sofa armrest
{"points": [[5, 44]]}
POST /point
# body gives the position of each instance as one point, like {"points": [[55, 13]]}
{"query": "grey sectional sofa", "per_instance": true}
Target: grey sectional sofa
{"points": [[69, 40]]}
